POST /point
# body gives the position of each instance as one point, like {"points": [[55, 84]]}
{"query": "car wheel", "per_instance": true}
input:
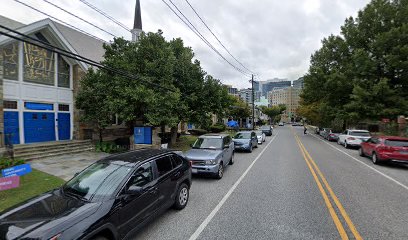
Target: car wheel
{"points": [[182, 197], [346, 145], [374, 158], [220, 172], [231, 162], [361, 152], [250, 148], [338, 142]]}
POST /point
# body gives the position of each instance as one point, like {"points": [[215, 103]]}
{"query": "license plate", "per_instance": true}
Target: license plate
{"points": [[193, 170]]}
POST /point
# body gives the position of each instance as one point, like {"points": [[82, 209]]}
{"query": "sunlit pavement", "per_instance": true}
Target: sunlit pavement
{"points": [[299, 188]]}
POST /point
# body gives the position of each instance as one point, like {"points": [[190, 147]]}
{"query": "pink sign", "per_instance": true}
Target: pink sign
{"points": [[9, 182]]}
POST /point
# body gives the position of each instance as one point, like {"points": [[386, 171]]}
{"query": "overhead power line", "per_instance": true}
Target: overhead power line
{"points": [[61, 21], [80, 18], [195, 30], [105, 15], [216, 36]]}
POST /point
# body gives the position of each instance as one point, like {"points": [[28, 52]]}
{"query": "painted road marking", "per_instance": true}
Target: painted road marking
{"points": [[329, 206], [365, 164], [208, 219], [333, 196]]}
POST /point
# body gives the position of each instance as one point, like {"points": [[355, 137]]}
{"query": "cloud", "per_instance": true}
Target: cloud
{"points": [[273, 38]]}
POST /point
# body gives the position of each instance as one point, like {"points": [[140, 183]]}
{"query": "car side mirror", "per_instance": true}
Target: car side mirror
{"points": [[226, 146], [134, 190]]}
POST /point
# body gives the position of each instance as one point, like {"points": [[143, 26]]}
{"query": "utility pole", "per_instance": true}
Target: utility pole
{"points": [[253, 103]]}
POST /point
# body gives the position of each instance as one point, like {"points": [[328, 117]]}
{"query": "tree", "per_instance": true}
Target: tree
{"points": [[238, 108], [273, 112], [361, 74], [94, 100]]}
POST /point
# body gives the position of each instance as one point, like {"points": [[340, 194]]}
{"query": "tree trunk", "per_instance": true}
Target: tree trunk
{"points": [[100, 134], [173, 139]]}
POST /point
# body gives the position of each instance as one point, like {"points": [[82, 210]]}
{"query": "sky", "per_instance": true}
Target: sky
{"points": [[271, 38]]}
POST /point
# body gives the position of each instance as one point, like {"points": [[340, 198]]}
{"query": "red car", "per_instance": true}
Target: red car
{"points": [[385, 148]]}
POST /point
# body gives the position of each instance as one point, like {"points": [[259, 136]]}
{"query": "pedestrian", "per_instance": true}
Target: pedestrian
{"points": [[304, 129]]}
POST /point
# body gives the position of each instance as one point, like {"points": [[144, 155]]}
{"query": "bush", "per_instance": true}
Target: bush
{"points": [[217, 128], [7, 162], [197, 132], [109, 147]]}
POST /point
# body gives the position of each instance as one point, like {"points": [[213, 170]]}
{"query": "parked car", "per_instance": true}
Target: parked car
{"points": [[111, 199], [245, 140], [281, 124], [324, 132], [353, 138], [267, 129], [332, 137], [210, 154], [260, 136], [385, 148]]}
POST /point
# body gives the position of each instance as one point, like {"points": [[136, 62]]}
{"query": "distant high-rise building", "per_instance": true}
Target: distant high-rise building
{"points": [[232, 90], [289, 96], [298, 83], [267, 86]]}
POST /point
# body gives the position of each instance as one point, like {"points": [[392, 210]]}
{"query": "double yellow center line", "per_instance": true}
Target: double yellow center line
{"points": [[313, 169]]}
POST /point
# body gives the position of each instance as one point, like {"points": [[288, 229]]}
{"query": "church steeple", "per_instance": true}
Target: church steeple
{"points": [[137, 25]]}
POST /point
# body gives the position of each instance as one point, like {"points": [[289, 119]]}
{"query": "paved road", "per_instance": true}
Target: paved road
{"points": [[293, 188]]}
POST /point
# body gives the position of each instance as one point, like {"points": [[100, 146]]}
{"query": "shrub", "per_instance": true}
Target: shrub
{"points": [[109, 147], [197, 132], [7, 162], [217, 128]]}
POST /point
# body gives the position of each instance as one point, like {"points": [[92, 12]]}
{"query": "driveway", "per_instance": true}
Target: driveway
{"points": [[65, 166]]}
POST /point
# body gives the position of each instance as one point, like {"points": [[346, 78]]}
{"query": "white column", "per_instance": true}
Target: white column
{"points": [[56, 89], [20, 102]]}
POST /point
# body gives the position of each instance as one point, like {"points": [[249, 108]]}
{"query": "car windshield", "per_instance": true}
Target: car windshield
{"points": [[360, 133], [243, 135], [265, 127], [258, 133], [97, 181], [208, 143], [396, 143]]}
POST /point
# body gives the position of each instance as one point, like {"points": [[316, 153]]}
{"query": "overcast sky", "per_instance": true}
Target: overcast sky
{"points": [[273, 38]]}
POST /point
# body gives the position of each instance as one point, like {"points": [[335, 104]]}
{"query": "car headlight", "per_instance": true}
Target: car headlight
{"points": [[211, 162]]}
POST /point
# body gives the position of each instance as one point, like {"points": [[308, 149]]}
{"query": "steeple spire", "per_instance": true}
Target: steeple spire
{"points": [[137, 25]]}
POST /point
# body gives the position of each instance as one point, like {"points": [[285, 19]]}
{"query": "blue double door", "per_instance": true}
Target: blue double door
{"points": [[11, 128], [40, 126]]}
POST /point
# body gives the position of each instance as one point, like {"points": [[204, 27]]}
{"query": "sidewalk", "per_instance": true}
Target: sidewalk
{"points": [[65, 166]]}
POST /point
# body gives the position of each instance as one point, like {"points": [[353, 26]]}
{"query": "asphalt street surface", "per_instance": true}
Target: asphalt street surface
{"points": [[294, 186]]}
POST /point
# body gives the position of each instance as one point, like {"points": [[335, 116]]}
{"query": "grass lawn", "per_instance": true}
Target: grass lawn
{"points": [[184, 142], [31, 185]]}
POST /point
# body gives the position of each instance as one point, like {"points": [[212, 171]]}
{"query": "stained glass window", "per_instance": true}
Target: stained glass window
{"points": [[38, 65], [63, 73], [10, 61]]}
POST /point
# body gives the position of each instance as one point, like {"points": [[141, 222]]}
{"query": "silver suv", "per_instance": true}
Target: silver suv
{"points": [[210, 154]]}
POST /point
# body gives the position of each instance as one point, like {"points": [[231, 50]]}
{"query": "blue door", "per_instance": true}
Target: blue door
{"points": [[39, 127], [143, 135], [11, 127], [64, 126]]}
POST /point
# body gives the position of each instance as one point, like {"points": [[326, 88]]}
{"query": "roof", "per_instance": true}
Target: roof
{"points": [[79, 43], [214, 135], [10, 23], [138, 17], [136, 155]]}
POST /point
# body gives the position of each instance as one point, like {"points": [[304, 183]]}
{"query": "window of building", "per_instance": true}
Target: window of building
{"points": [[10, 61], [63, 73], [63, 107], [38, 65], [10, 104]]}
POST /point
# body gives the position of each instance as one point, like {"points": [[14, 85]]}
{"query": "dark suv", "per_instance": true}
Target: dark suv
{"points": [[110, 199]]}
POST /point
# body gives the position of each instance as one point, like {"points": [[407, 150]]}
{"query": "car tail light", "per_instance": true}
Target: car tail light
{"points": [[351, 138]]}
